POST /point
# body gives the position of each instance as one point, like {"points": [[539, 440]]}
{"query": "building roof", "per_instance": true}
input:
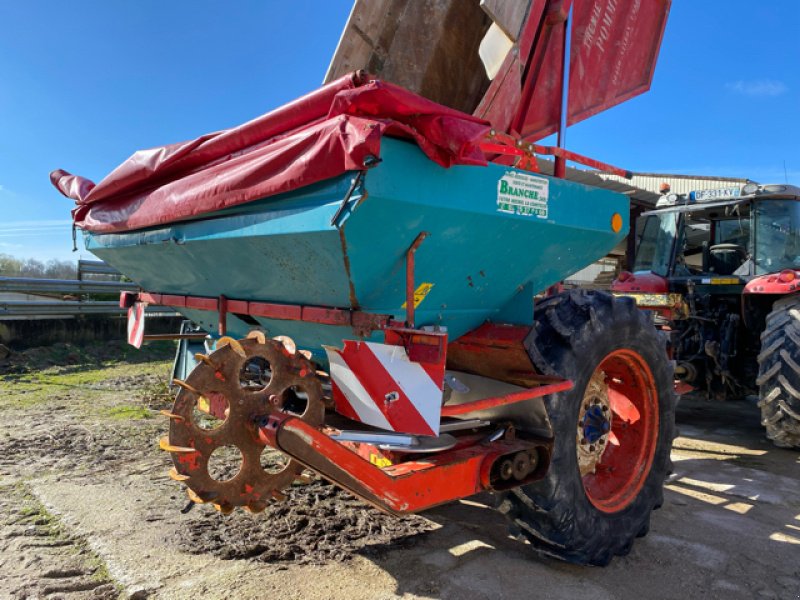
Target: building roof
{"points": [[679, 184], [639, 196]]}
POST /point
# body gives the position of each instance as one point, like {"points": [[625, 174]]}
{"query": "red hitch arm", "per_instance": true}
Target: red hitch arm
{"points": [[405, 487]]}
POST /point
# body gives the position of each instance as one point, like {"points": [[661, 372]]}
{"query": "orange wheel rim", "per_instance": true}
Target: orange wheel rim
{"points": [[623, 436]]}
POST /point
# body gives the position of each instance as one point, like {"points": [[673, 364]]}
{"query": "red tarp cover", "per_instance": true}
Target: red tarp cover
{"points": [[319, 136]]}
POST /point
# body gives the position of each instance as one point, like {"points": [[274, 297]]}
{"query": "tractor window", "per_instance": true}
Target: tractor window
{"points": [[655, 245], [694, 234], [777, 236], [731, 251], [733, 231]]}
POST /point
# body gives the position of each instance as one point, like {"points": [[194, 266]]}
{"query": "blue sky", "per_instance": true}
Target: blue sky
{"points": [[84, 84]]}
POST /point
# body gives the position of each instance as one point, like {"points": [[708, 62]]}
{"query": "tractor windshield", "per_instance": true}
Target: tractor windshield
{"points": [[777, 237], [655, 245]]}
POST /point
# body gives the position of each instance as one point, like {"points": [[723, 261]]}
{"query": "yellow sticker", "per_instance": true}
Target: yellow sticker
{"points": [[379, 461], [420, 293], [725, 280]]}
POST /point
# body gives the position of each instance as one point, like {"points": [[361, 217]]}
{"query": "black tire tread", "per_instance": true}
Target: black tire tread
{"points": [[554, 514], [779, 373]]}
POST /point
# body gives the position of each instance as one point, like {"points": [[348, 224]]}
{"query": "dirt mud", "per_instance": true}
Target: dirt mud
{"points": [[40, 558], [87, 511], [317, 523]]}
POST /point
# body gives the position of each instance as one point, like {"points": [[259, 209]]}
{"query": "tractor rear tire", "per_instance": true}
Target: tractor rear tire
{"points": [[779, 374], [589, 336]]}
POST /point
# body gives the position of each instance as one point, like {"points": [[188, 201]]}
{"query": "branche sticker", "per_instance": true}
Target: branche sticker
{"points": [[523, 194]]}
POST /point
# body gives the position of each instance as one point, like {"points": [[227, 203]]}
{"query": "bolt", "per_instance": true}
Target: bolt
{"points": [[605, 409], [521, 466], [583, 441], [602, 442]]}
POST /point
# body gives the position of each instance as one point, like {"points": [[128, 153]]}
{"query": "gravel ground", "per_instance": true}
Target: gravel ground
{"points": [[87, 511]]}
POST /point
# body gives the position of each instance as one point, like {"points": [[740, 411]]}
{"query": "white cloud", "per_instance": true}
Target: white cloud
{"points": [[4, 191], [35, 223], [757, 87], [29, 228]]}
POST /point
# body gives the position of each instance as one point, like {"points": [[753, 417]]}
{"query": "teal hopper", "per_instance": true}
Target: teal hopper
{"points": [[342, 244]]}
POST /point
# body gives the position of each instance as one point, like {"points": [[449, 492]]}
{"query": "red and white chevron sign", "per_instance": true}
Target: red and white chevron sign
{"points": [[136, 324], [378, 384]]}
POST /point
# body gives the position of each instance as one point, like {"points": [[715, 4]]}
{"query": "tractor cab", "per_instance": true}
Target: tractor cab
{"points": [[720, 270], [717, 238]]}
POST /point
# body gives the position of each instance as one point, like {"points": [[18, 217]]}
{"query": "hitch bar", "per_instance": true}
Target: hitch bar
{"points": [[407, 487]]}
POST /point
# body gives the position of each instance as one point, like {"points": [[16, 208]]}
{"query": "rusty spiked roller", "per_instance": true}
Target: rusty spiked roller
{"points": [[217, 410]]}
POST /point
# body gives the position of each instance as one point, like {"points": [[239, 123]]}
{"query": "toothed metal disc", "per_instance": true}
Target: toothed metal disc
{"points": [[229, 388]]}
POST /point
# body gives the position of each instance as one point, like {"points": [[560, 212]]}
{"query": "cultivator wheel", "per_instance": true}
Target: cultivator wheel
{"points": [[217, 413], [613, 430]]}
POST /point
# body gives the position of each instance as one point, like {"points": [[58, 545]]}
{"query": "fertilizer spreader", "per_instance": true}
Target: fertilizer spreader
{"points": [[366, 262]]}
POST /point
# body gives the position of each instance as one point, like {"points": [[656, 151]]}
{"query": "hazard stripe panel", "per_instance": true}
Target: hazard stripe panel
{"points": [[136, 324], [381, 386], [352, 390]]}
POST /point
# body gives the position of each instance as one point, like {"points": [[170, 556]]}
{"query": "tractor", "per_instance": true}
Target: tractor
{"points": [[720, 272]]}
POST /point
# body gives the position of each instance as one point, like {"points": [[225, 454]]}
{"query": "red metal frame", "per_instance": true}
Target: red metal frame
{"points": [[504, 144], [406, 487], [488, 403], [361, 322]]}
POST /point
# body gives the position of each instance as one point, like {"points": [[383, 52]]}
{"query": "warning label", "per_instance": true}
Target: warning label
{"points": [[522, 194], [419, 294]]}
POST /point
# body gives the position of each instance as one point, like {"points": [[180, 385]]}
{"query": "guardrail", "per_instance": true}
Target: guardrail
{"points": [[27, 285], [95, 267], [15, 308], [50, 306]]}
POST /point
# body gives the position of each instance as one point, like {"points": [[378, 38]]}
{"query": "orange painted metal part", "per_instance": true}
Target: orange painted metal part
{"points": [[223, 315], [497, 352], [406, 487], [624, 467], [488, 403], [410, 278]]}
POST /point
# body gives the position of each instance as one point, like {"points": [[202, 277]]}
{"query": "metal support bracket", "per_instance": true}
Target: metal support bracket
{"points": [[410, 278]]}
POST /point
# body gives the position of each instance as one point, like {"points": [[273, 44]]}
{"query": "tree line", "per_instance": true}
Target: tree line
{"points": [[11, 266]]}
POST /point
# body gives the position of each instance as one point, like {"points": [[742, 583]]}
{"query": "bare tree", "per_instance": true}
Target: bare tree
{"points": [[11, 266]]}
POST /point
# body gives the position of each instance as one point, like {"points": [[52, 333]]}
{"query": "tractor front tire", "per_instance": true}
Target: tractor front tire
{"points": [[779, 374], [609, 461]]}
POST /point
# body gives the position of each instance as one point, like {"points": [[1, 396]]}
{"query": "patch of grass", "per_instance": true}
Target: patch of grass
{"points": [[100, 571], [158, 394], [126, 412], [29, 389]]}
